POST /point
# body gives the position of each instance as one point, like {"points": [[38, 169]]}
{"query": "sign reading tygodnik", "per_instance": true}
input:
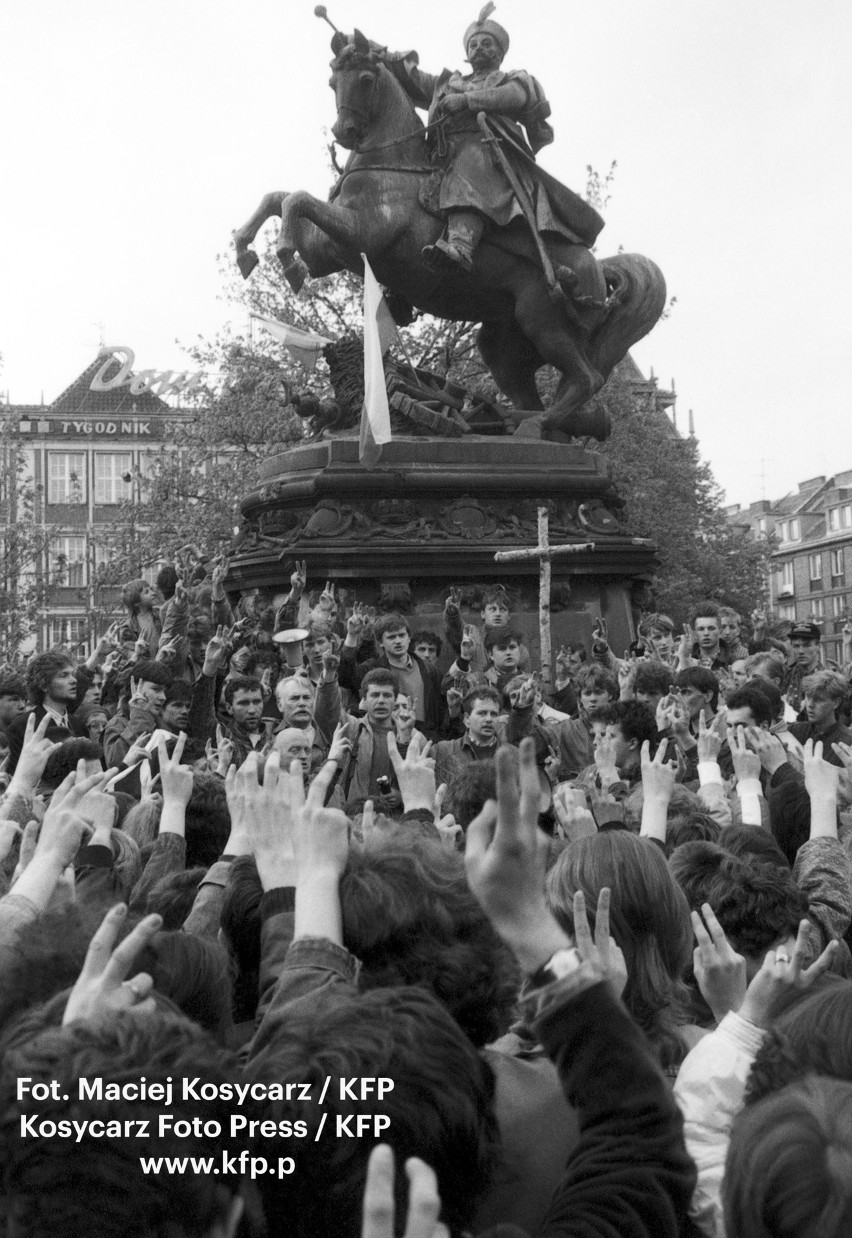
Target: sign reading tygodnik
{"points": [[96, 427], [159, 382]]}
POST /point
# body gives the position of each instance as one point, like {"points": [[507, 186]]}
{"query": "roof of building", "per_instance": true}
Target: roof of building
{"points": [[79, 397]]}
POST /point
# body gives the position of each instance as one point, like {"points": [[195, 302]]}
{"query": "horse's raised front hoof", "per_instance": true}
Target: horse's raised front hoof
{"points": [[295, 271], [247, 262]]}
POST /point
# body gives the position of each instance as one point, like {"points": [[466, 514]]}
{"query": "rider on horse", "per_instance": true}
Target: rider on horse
{"points": [[474, 189]]}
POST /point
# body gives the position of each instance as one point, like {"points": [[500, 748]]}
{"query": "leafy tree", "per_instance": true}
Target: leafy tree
{"points": [[24, 542], [672, 497]]}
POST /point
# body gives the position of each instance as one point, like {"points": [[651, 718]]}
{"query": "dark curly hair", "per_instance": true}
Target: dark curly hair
{"points": [[409, 916], [42, 668], [756, 903]]}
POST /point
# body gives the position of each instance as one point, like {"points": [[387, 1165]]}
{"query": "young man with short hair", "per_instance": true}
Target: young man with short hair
{"points": [[148, 686], [366, 771], [619, 733], [482, 708], [51, 680], [824, 693], [426, 645], [598, 689], [241, 710], [493, 614], [806, 652], [416, 677]]}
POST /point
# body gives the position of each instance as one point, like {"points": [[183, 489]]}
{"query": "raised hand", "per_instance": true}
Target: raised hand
{"points": [[770, 751], [821, 778], [782, 972], [454, 700], [220, 571], [758, 622], [424, 1202], [453, 602], [404, 718], [415, 772], [299, 577], [573, 820], [330, 662], [523, 696], [327, 602], [686, 644], [627, 669], [601, 951], [467, 646], [710, 738], [658, 776], [175, 779], [320, 835], [267, 812], [357, 620], [600, 631], [719, 970], [216, 651], [102, 989], [506, 860], [34, 754]]}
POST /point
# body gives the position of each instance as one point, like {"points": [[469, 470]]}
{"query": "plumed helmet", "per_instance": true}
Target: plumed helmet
{"points": [[482, 25]]}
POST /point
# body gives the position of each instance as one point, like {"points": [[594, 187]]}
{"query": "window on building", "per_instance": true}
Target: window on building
{"points": [[110, 486], [786, 585], [68, 560], [787, 611], [815, 568], [762, 526], [818, 608], [795, 530], [837, 563], [834, 519], [838, 605], [66, 477], [69, 630], [847, 516]]}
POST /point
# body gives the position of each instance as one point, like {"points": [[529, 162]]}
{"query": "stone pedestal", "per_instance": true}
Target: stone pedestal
{"points": [[433, 513]]}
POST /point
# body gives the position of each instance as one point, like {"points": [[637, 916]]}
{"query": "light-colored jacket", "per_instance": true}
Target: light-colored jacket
{"points": [[709, 1091]]}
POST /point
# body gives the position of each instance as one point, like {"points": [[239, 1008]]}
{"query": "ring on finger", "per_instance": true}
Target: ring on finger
{"points": [[134, 989]]}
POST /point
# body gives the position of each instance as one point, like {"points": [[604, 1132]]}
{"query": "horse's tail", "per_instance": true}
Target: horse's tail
{"points": [[636, 295]]}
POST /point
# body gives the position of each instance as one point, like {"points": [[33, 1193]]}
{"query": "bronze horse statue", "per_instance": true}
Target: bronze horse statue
{"points": [[375, 209]]}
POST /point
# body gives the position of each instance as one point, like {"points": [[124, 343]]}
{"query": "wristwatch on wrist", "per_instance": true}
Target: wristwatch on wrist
{"points": [[562, 963]]}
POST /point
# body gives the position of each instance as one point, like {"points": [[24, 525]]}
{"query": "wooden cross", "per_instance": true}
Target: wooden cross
{"points": [[544, 552]]}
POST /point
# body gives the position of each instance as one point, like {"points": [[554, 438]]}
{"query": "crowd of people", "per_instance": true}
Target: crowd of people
{"points": [[316, 921]]}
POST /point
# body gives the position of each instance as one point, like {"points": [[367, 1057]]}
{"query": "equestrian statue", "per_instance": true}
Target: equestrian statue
{"points": [[457, 218]]}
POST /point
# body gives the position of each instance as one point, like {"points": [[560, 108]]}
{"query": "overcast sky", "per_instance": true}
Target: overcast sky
{"points": [[135, 136]]}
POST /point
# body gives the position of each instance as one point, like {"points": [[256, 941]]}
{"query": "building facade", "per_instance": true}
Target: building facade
{"points": [[83, 457], [810, 575]]}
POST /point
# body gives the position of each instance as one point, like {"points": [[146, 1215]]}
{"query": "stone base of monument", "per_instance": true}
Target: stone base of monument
{"points": [[433, 513]]}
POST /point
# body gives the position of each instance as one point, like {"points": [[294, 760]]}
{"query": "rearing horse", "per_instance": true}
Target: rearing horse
{"points": [[375, 209]]}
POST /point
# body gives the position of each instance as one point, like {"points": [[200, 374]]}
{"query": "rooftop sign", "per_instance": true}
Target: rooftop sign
{"points": [[159, 382]]}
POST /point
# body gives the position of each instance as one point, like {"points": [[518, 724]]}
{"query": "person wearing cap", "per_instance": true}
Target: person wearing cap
{"points": [[474, 192], [805, 647]]}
